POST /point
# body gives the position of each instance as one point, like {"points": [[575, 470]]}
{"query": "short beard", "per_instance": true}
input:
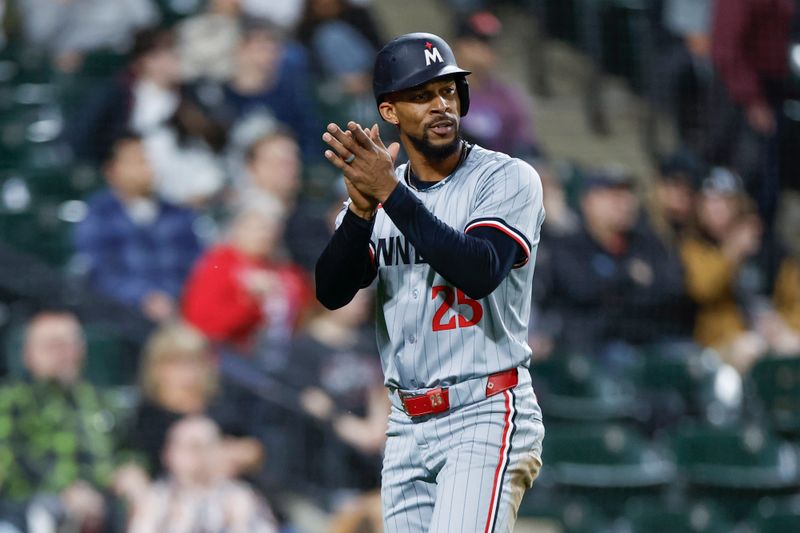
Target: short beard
{"points": [[435, 153]]}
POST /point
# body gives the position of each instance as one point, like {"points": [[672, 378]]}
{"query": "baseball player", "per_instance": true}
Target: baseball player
{"points": [[451, 237]]}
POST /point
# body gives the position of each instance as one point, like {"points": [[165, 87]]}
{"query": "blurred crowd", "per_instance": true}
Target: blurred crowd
{"points": [[239, 390]]}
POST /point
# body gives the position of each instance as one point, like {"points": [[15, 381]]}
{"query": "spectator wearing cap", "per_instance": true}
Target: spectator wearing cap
{"points": [[499, 113], [272, 77], [671, 206], [138, 248], [613, 279], [732, 316]]}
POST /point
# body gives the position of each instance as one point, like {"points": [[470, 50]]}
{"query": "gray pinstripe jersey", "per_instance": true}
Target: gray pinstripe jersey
{"points": [[431, 334]]}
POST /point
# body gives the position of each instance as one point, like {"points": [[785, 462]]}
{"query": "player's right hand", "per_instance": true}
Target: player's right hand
{"points": [[363, 159]]}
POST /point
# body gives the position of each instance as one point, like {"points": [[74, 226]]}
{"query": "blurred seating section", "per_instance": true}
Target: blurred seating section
{"points": [[655, 434]]}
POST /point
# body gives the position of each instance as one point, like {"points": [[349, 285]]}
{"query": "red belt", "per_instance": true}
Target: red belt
{"points": [[438, 400]]}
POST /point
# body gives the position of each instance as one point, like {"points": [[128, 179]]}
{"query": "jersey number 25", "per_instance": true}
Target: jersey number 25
{"points": [[452, 295]]}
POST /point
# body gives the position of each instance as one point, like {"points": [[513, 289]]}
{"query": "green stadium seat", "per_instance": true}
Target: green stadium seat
{"points": [[735, 466], [649, 516], [29, 140], [776, 385], [41, 227], [575, 387], [582, 516], [607, 464], [683, 379], [66, 183], [605, 456], [775, 516]]}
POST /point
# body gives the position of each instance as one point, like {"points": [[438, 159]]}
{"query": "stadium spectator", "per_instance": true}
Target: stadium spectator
{"points": [[68, 29], [140, 99], [179, 379], [614, 279], [318, 13], [787, 291], [239, 293], [683, 81], [139, 249], [327, 28], [272, 76], [671, 206], [273, 167], [750, 52], [284, 14], [499, 113], [561, 219], [51, 456], [195, 495], [207, 41], [730, 316], [787, 281], [181, 141], [336, 366], [560, 222], [272, 175]]}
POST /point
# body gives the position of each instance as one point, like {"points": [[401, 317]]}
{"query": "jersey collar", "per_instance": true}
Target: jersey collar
{"points": [[412, 181]]}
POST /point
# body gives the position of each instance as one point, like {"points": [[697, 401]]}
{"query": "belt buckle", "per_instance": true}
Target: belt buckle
{"points": [[436, 399], [431, 402]]}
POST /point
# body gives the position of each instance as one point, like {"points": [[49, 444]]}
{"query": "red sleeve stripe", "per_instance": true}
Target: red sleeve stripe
{"points": [[372, 253], [508, 230]]}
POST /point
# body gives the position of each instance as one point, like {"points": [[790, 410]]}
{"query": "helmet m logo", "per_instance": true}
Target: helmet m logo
{"points": [[432, 55]]}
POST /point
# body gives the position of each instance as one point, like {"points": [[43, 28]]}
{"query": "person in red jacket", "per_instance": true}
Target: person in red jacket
{"points": [[239, 291]]}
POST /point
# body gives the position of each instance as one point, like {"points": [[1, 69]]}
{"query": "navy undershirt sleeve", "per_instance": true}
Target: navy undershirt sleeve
{"points": [[476, 262], [345, 265]]}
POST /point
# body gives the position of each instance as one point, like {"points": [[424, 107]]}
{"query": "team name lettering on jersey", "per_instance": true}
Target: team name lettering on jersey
{"points": [[397, 251]]}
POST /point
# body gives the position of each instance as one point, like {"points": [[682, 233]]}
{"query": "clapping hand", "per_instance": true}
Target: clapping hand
{"points": [[367, 164]]}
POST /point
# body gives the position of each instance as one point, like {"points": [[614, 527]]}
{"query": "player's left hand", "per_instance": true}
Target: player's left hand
{"points": [[371, 172]]}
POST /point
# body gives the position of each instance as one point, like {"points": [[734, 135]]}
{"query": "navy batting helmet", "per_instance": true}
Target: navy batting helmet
{"points": [[414, 59]]}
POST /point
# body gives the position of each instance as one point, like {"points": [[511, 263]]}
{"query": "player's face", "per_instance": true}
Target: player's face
{"points": [[428, 117]]}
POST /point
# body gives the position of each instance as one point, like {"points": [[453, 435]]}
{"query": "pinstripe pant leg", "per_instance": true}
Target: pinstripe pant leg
{"points": [[493, 455], [408, 489]]}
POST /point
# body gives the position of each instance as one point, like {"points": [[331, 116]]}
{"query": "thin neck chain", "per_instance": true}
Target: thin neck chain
{"points": [[465, 150]]}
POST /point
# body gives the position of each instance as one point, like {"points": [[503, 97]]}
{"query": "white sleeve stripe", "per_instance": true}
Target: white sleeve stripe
{"points": [[505, 228]]}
